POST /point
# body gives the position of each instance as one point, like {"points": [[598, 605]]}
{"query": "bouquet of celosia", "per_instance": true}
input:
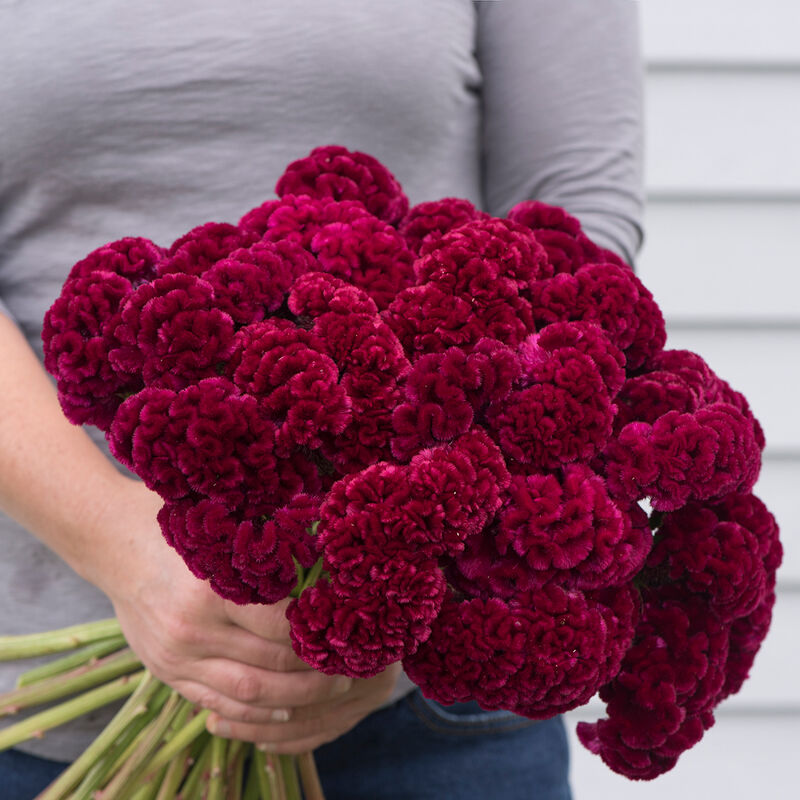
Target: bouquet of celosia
{"points": [[437, 429]]}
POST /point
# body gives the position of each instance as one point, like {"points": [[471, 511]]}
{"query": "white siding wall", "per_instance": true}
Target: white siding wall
{"points": [[722, 257]]}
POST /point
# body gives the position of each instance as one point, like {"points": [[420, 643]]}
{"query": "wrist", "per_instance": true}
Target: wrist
{"points": [[115, 534]]}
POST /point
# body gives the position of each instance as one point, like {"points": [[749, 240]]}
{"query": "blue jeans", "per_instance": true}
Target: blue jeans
{"points": [[414, 750], [22, 777]]}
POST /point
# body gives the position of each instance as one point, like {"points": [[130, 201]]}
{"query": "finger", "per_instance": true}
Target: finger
{"points": [[181, 637], [290, 737], [265, 621], [231, 682]]}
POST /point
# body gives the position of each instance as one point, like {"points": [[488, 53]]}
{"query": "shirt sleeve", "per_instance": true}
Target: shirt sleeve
{"points": [[562, 86]]}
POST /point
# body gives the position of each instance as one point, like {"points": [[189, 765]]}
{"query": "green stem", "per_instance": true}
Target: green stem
{"points": [[237, 752], [265, 777], [275, 776], [174, 776], [60, 665], [77, 680], [133, 737], [288, 768], [148, 791], [111, 760], [135, 765], [306, 579], [136, 705], [36, 725], [180, 740], [252, 787], [189, 789], [41, 644], [309, 777], [216, 786]]}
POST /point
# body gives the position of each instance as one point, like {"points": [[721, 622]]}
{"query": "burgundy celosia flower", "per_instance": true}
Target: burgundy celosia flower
{"points": [[368, 518], [252, 284], [444, 392], [76, 346], [490, 566], [436, 408], [360, 632], [194, 252], [133, 258], [207, 439], [295, 383], [614, 298], [660, 702], [700, 456], [171, 333], [363, 346], [474, 648], [316, 293], [540, 656], [340, 174], [564, 416], [427, 320], [481, 257], [746, 636], [144, 438], [266, 554], [541, 216], [559, 233], [750, 512], [569, 530], [717, 559], [345, 240], [457, 489], [367, 252], [429, 221], [203, 533], [586, 337]]}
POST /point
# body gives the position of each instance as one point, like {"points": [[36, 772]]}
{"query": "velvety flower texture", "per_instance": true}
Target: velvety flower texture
{"points": [[265, 553], [430, 220], [698, 637], [543, 654], [295, 383], [170, 333], [561, 412], [340, 174], [76, 347], [344, 239], [194, 252], [683, 457], [454, 421], [76, 334], [661, 701], [207, 440], [716, 558]]}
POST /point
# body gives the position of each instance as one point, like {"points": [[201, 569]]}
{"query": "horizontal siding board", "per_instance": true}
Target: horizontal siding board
{"points": [[761, 363], [726, 132], [721, 31], [739, 758], [723, 260]]}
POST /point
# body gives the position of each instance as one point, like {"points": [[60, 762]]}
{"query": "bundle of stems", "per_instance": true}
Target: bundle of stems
{"points": [[156, 747]]}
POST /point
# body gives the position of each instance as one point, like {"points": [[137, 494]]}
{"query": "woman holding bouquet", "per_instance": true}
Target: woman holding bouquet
{"points": [[148, 118]]}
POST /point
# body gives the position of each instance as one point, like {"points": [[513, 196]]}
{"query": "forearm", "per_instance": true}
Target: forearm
{"points": [[563, 120], [53, 478]]}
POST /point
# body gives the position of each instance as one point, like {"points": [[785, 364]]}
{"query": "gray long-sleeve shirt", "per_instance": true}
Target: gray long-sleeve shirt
{"points": [[149, 118]]}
